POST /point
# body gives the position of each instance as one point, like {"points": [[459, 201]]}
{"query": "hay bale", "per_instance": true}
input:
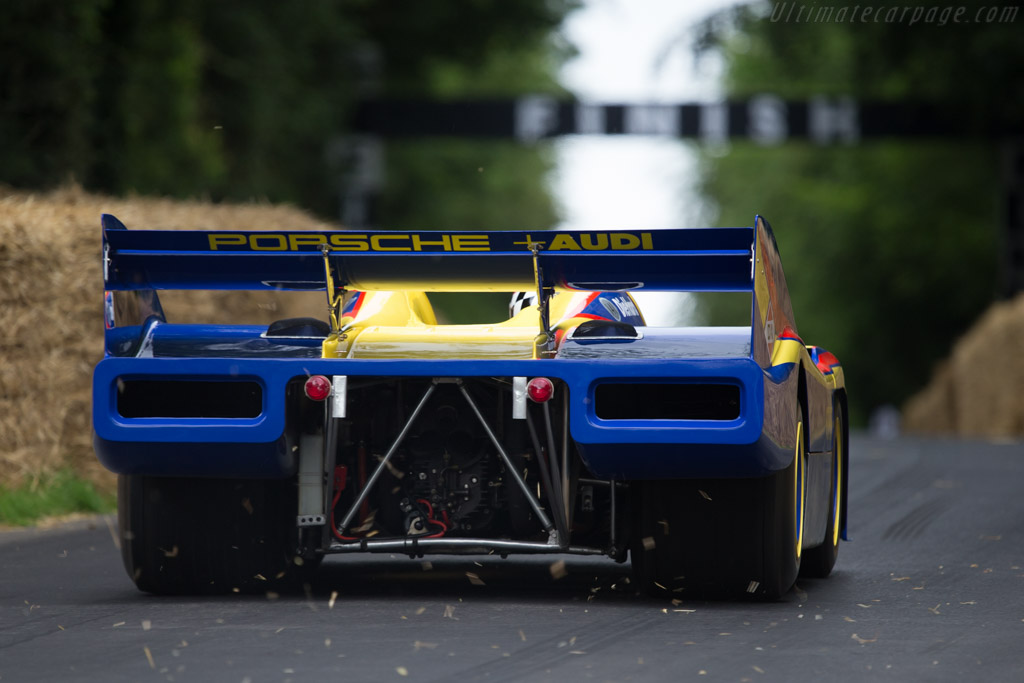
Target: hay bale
{"points": [[978, 391], [51, 313], [933, 409], [988, 373]]}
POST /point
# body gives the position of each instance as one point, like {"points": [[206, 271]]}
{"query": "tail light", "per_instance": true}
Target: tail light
{"points": [[317, 388], [540, 389]]}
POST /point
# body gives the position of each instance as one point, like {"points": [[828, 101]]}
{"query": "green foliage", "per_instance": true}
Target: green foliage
{"points": [[503, 74], [49, 57], [460, 184], [238, 99], [891, 246], [278, 80], [152, 137], [418, 38], [466, 185], [470, 308], [60, 493], [971, 63]]}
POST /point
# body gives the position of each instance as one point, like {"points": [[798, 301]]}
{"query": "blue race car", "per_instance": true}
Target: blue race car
{"points": [[715, 458]]}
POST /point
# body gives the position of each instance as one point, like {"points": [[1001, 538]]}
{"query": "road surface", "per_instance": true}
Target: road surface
{"points": [[930, 588]]}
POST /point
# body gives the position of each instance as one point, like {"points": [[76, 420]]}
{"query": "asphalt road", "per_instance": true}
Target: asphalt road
{"points": [[931, 588]]}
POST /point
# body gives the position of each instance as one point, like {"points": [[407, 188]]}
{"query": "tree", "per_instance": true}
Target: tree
{"points": [[49, 56], [235, 100]]}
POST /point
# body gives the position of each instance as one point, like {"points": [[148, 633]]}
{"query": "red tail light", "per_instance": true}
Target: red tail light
{"points": [[540, 389], [318, 387]]}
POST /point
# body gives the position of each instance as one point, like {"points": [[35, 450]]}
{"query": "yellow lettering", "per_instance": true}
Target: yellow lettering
{"points": [[225, 239], [375, 242], [278, 242], [646, 241], [623, 240], [418, 243], [348, 242], [296, 241], [563, 242], [588, 241], [471, 243]]}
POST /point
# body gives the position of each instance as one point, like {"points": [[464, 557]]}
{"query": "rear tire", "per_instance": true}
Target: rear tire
{"points": [[207, 535], [818, 562], [719, 537]]}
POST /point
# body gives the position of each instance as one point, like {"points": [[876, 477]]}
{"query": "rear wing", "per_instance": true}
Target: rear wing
{"points": [[696, 260]]}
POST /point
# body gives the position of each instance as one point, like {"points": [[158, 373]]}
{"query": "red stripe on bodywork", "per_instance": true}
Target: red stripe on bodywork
{"points": [[824, 360], [788, 333], [360, 297], [586, 302]]}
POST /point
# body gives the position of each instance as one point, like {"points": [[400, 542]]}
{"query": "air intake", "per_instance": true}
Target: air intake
{"points": [[667, 401], [183, 398]]}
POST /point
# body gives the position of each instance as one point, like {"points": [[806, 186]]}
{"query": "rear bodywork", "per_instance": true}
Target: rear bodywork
{"points": [[428, 441]]}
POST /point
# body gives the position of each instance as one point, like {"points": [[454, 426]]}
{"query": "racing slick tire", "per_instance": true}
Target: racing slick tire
{"points": [[818, 562], [188, 536], [720, 537]]}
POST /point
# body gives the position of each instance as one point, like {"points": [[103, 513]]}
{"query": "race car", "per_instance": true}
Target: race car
{"points": [[714, 458]]}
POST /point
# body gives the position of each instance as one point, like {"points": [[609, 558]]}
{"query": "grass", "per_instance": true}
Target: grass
{"points": [[61, 493]]}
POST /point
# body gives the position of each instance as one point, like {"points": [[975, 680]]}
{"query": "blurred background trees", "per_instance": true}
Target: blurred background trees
{"points": [[235, 100]]}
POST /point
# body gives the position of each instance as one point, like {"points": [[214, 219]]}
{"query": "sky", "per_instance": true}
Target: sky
{"points": [[639, 49], [635, 51]]}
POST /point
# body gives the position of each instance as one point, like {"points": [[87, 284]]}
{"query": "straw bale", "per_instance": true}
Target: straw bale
{"points": [[978, 391], [933, 410], [51, 312]]}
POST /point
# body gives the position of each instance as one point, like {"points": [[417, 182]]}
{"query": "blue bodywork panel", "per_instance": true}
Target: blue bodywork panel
{"points": [[653, 446]]}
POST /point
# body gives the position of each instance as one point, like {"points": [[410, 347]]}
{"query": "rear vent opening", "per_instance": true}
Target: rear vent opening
{"points": [[185, 398], [667, 401], [298, 327], [604, 329]]}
